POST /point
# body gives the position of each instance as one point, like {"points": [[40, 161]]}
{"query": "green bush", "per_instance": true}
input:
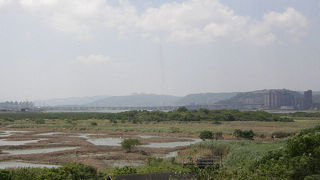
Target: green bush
{"points": [[40, 121], [174, 130], [243, 134], [71, 171], [206, 135], [124, 170], [312, 177], [299, 160], [4, 174], [130, 144], [93, 124]]}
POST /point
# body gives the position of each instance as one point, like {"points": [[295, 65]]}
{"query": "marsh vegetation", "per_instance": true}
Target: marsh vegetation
{"points": [[239, 147]]}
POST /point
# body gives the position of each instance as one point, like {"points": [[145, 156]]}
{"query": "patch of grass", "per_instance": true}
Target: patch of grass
{"points": [[236, 153], [152, 165]]}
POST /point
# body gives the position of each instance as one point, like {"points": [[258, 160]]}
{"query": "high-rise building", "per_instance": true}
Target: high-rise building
{"points": [[307, 99], [276, 98]]}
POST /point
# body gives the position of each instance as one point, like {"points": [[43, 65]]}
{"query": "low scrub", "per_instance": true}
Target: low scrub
{"points": [[281, 134], [206, 135], [67, 172], [238, 133]]}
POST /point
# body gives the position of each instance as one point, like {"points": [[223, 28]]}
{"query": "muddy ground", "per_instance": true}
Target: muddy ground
{"points": [[98, 156]]}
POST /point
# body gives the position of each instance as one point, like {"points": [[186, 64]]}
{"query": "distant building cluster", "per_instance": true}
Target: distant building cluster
{"points": [[17, 106], [282, 99]]}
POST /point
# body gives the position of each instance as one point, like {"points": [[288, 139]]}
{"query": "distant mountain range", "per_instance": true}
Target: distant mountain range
{"points": [[144, 100], [139, 100], [71, 101], [136, 100]]}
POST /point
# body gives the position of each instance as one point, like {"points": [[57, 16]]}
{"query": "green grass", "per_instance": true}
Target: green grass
{"points": [[236, 153], [245, 153], [152, 165]]}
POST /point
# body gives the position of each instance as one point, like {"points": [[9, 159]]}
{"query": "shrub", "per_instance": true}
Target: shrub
{"points": [[40, 121], [243, 134], [93, 124], [124, 170], [312, 177], [78, 171], [174, 130], [299, 159], [129, 144], [4, 174], [67, 172], [206, 135], [280, 134]]}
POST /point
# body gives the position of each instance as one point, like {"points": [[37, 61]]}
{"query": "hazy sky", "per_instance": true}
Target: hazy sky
{"points": [[69, 48]]}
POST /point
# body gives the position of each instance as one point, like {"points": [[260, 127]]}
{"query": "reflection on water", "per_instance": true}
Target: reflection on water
{"points": [[16, 164], [37, 151], [106, 141], [146, 136], [49, 134]]}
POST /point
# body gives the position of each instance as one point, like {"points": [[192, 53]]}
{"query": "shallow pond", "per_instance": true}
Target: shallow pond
{"points": [[147, 136], [18, 143], [117, 142], [106, 141], [9, 133], [49, 134], [171, 144], [16, 164], [37, 151]]}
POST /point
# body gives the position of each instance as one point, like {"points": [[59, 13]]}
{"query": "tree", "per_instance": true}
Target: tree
{"points": [[182, 109], [130, 144], [206, 135]]}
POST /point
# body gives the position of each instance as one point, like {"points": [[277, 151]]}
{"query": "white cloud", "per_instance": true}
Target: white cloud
{"points": [[192, 20], [93, 59], [4, 2], [75, 17], [209, 20], [199, 21]]}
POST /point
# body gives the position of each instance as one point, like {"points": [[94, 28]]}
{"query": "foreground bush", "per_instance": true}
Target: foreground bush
{"points": [[67, 172], [299, 160], [124, 170]]}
